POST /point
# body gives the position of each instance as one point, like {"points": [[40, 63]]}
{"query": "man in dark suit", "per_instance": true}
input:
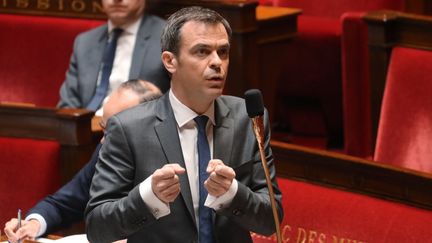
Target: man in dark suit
{"points": [[148, 185], [136, 55], [67, 205]]}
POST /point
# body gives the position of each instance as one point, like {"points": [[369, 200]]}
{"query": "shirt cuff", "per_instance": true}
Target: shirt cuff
{"points": [[41, 220], [156, 206], [224, 200]]}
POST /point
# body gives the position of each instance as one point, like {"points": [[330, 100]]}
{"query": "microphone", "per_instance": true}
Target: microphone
{"points": [[255, 109], [254, 103]]}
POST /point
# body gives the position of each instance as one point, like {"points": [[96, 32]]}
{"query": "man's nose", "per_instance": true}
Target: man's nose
{"points": [[215, 60]]}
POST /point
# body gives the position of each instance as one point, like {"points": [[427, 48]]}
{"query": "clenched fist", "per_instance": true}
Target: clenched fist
{"points": [[165, 182]]}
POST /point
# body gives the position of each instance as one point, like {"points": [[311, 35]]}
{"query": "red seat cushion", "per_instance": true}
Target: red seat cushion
{"points": [[35, 55], [405, 128], [319, 214], [29, 171]]}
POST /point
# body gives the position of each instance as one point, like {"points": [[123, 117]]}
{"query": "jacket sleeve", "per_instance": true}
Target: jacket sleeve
{"points": [[67, 205], [113, 196]]}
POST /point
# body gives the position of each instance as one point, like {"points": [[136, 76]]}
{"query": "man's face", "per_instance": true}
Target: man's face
{"points": [[123, 11], [200, 69]]}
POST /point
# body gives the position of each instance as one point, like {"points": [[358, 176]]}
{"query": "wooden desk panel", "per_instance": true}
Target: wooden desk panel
{"points": [[70, 127]]}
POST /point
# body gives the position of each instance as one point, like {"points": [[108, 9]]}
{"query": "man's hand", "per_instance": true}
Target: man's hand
{"points": [[220, 177], [165, 182], [28, 230]]}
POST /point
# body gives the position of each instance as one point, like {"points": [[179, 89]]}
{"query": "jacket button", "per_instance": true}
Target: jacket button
{"points": [[237, 212]]}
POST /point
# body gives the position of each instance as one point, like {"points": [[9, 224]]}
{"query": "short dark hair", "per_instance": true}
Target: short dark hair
{"points": [[170, 40], [141, 88]]}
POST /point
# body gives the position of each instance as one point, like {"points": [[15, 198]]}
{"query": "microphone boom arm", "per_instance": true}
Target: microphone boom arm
{"points": [[259, 134]]}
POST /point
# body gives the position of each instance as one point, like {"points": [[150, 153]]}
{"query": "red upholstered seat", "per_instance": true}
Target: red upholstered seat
{"points": [[35, 55], [29, 171], [405, 127], [35, 52], [312, 79], [318, 214]]}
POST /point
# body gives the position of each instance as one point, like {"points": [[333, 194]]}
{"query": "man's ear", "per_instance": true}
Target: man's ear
{"points": [[169, 60]]}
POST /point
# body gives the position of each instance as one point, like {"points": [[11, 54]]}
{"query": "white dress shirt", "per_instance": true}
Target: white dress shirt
{"points": [[188, 134]]}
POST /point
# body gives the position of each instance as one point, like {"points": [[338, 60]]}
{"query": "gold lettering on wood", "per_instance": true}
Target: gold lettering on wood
{"points": [[78, 5], [97, 7], [61, 5], [43, 4], [22, 3]]}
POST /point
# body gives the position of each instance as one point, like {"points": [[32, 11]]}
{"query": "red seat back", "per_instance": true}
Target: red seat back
{"points": [[35, 55], [405, 127], [29, 171]]}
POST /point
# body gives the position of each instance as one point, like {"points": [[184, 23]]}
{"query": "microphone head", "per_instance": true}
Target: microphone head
{"points": [[254, 103]]}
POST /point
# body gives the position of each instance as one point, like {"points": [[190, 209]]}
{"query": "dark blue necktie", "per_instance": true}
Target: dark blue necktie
{"points": [[205, 214], [107, 64]]}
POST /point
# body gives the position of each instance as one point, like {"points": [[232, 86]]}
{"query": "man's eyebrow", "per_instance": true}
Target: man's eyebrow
{"points": [[203, 45], [225, 46], [200, 45]]}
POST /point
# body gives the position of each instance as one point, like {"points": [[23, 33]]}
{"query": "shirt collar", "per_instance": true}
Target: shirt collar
{"points": [[130, 28], [184, 114]]}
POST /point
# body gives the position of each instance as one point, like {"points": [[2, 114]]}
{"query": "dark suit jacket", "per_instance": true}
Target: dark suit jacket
{"points": [[143, 139], [81, 77], [67, 205]]}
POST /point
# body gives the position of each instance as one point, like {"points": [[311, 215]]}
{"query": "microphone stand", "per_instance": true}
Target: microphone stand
{"points": [[259, 134]]}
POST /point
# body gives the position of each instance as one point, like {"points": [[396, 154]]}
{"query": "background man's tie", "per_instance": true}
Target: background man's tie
{"points": [[205, 214], [107, 64]]}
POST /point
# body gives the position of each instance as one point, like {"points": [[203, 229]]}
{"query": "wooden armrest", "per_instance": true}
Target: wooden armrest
{"points": [[7, 103], [68, 126]]}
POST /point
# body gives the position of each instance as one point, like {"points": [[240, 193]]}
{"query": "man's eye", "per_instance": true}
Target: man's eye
{"points": [[223, 53], [202, 52]]}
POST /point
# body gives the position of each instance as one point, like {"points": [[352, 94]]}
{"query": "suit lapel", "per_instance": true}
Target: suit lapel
{"points": [[95, 54], [223, 133], [167, 133], [140, 48]]}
